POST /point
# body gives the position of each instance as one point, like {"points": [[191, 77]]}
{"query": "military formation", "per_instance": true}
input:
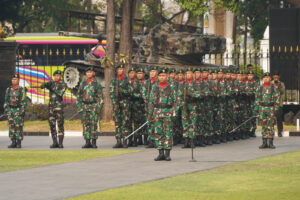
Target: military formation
{"points": [[192, 106]]}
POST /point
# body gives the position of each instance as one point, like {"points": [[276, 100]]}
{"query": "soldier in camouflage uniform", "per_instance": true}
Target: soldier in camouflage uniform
{"points": [[136, 111], [142, 105], [90, 100], [189, 110], [14, 106], [229, 109], [120, 92], [252, 85], [215, 107], [235, 116], [146, 95], [162, 107], [267, 100], [56, 114]]}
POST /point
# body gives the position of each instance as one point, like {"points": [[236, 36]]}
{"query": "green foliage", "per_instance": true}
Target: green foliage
{"points": [[258, 71]]}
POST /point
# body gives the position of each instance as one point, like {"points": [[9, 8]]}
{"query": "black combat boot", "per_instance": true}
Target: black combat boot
{"points": [[130, 143], [125, 145], [13, 143], [18, 144], [118, 144], [55, 144], [167, 155], [201, 141], [150, 144], [60, 141], [94, 145], [87, 144], [271, 145], [160, 156], [264, 144], [247, 134], [135, 141], [217, 139], [243, 135], [252, 134], [223, 138], [229, 136], [140, 140], [186, 143], [145, 139], [279, 134], [210, 140]]}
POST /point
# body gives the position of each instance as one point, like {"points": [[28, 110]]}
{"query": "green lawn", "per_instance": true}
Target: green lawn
{"points": [[20, 159], [274, 178]]}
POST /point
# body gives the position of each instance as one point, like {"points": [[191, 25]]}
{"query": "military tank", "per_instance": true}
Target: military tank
{"points": [[166, 44]]}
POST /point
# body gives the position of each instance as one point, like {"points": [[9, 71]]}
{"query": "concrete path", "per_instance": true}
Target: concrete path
{"points": [[77, 178]]}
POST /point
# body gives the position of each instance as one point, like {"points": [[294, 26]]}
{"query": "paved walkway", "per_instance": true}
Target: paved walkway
{"points": [[77, 178]]}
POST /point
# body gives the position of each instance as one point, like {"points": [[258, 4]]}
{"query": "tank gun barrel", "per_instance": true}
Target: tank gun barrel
{"points": [[85, 35]]}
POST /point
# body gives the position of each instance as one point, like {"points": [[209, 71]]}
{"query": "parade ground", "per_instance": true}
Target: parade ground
{"points": [[221, 171]]}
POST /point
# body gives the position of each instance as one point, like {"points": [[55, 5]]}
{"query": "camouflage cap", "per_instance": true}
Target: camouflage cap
{"points": [[180, 71], [140, 69], [57, 72], [131, 69], [266, 74], [152, 67], [15, 76], [89, 68], [162, 70]]}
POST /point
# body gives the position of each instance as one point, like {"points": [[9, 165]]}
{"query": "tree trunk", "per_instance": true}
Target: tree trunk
{"points": [[245, 39], [128, 7], [110, 53]]}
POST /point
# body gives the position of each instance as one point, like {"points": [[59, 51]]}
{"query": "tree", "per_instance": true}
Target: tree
{"points": [[110, 58]]}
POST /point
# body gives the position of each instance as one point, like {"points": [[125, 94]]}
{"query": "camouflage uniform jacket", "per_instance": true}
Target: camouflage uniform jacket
{"points": [[14, 99], [267, 98], [57, 91], [90, 96], [120, 91]]}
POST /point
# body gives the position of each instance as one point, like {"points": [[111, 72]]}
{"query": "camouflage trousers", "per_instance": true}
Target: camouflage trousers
{"points": [[251, 113], [122, 119], [15, 123], [89, 122], [138, 117], [230, 115], [162, 133], [219, 116], [243, 115], [177, 124], [205, 118], [189, 120], [267, 120], [56, 115]]}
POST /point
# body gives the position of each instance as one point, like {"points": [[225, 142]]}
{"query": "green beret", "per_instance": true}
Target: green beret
{"points": [[222, 70], [189, 69], [266, 74], [172, 70], [215, 71], [131, 69], [57, 72], [89, 68], [162, 70], [16, 76], [140, 69], [152, 67], [197, 70], [180, 71], [205, 70], [120, 65]]}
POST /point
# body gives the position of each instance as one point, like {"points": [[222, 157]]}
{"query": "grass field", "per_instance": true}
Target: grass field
{"points": [[74, 125], [270, 178], [20, 159]]}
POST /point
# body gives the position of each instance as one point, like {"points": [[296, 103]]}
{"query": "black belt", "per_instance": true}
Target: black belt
{"points": [[162, 106], [88, 102], [266, 104]]}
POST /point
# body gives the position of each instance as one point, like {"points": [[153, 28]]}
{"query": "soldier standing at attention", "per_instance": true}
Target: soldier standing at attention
{"points": [[149, 84], [162, 106], [281, 89], [15, 103], [57, 89], [120, 92], [267, 100], [90, 101]]}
